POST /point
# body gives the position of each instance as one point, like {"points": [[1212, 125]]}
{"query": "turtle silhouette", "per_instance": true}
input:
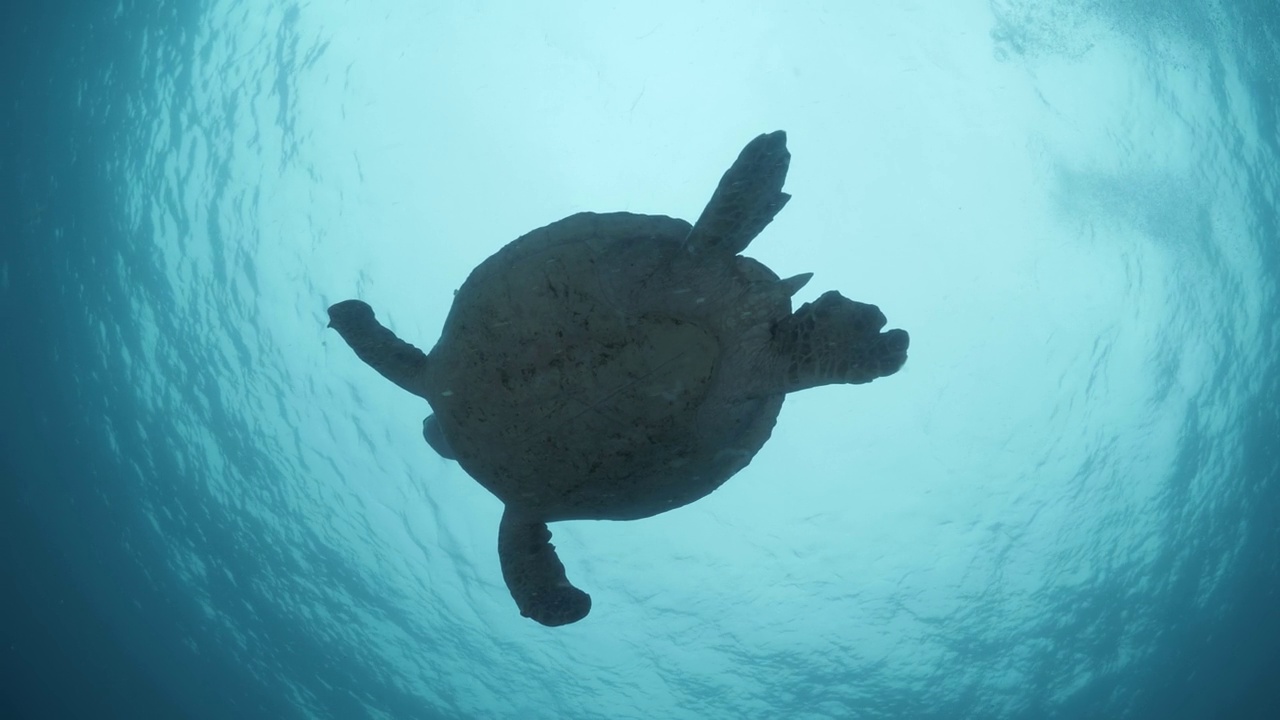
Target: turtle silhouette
{"points": [[616, 366]]}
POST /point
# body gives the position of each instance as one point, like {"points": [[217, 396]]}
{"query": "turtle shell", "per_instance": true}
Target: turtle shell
{"points": [[595, 368]]}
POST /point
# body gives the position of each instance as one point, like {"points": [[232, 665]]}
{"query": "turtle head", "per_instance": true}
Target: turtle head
{"points": [[349, 314], [393, 358]]}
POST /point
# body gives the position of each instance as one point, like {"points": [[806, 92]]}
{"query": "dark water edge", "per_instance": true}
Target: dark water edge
{"points": [[88, 632], [1228, 666]]}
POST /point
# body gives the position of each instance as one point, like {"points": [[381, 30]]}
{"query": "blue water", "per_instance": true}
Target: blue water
{"points": [[1065, 505]]}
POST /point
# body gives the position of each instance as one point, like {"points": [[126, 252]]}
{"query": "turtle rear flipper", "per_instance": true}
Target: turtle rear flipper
{"points": [[836, 340], [393, 358], [535, 575], [746, 200]]}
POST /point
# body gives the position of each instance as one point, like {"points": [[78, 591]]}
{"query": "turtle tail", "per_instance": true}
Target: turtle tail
{"points": [[836, 340], [535, 575]]}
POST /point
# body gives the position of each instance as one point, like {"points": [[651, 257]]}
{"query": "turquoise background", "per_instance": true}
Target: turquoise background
{"points": [[1064, 506]]}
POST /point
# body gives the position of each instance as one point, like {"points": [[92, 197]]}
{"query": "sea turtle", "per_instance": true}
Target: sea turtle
{"points": [[616, 366]]}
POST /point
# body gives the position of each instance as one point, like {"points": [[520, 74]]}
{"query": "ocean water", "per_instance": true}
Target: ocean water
{"points": [[1064, 506]]}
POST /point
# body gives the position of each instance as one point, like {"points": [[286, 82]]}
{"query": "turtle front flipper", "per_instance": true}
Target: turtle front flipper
{"points": [[535, 575], [434, 436], [747, 198], [395, 359], [836, 340]]}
